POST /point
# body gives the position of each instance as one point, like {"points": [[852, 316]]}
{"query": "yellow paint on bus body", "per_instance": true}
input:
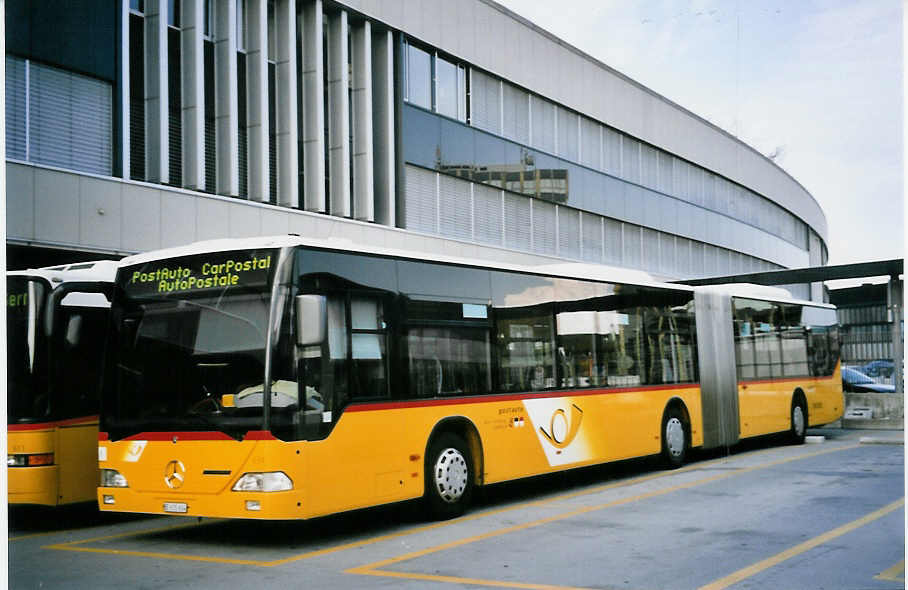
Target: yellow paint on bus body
{"points": [[73, 476], [764, 406], [376, 453]]}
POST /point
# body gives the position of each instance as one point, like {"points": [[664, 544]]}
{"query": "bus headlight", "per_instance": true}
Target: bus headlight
{"points": [[15, 460], [272, 481], [111, 478]]}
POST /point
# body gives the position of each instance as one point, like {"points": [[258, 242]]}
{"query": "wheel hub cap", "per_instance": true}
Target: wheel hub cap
{"points": [[450, 475], [797, 418], [674, 437]]}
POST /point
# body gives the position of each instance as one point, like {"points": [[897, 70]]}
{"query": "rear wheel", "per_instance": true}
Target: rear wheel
{"points": [[674, 438], [798, 431], [449, 476]]}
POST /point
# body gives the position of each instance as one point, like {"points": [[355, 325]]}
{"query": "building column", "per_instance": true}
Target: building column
{"points": [[338, 115], [285, 74], [124, 89], [363, 190], [157, 150], [895, 296], [257, 99], [226, 104], [385, 165], [313, 106], [193, 92]]}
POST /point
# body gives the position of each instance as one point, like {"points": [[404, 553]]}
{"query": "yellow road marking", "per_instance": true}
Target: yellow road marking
{"points": [[372, 569], [171, 527], [895, 574], [758, 567], [473, 581]]}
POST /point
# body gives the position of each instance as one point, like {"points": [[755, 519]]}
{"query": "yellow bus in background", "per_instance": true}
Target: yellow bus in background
{"points": [[289, 377], [56, 320]]}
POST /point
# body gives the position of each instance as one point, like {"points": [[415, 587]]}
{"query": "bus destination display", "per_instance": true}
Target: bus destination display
{"points": [[200, 273]]}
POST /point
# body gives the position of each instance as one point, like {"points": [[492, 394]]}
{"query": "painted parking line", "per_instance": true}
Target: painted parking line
{"points": [[80, 545], [894, 574], [747, 572], [374, 569]]}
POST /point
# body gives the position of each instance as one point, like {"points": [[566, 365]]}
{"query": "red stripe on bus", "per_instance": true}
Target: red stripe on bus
{"points": [[188, 435], [54, 424], [787, 380], [367, 407], [259, 435]]}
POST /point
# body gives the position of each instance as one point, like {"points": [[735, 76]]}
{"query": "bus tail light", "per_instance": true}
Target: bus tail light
{"points": [[35, 460], [111, 478], [271, 481]]}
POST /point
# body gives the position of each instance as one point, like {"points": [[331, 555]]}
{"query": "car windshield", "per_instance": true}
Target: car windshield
{"points": [[26, 382], [189, 345]]}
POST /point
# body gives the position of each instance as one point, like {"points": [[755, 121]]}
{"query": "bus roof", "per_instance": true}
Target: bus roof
{"points": [[762, 292], [97, 270], [566, 269], [547, 266]]}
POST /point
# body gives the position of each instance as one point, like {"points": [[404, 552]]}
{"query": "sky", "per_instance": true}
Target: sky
{"points": [[815, 84]]}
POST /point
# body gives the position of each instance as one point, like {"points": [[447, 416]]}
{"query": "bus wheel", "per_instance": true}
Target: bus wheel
{"points": [[674, 438], [798, 422], [449, 476]]}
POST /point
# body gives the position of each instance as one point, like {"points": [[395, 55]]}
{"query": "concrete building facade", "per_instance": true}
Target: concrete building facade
{"points": [[139, 124]]}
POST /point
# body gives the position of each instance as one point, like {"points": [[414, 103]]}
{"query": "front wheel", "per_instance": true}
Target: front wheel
{"points": [[674, 438], [798, 431], [449, 476]]}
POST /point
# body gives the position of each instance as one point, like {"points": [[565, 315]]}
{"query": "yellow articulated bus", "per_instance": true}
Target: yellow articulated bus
{"points": [[281, 378], [56, 321]]}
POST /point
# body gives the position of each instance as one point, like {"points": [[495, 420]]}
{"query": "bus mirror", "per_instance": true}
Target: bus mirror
{"points": [[311, 319]]}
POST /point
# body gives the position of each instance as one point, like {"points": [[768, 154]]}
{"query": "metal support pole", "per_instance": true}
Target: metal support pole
{"points": [[894, 296]]}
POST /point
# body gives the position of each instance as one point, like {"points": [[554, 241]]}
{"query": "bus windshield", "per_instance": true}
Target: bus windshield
{"points": [[27, 383], [187, 350]]}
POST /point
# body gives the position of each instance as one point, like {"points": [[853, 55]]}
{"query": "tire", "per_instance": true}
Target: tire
{"points": [[798, 430], [449, 476], [675, 439]]}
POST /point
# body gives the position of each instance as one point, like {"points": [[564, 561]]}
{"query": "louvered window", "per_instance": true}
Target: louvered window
{"points": [[421, 200], [487, 214], [544, 227], [58, 118], [591, 226], [543, 124], [516, 114], [485, 102], [568, 233], [589, 143], [454, 208], [568, 129], [517, 222], [15, 108]]}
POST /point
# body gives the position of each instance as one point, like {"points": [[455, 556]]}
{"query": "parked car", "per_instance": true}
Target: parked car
{"points": [[856, 381], [878, 368]]}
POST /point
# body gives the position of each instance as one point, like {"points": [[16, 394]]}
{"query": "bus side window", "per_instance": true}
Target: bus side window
{"points": [[368, 347]]}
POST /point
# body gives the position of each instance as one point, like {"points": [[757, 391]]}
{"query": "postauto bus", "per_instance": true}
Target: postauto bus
{"points": [[56, 320], [281, 378]]}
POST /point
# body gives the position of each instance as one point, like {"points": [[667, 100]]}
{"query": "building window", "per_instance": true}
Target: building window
{"points": [[450, 89], [241, 25], [137, 6], [58, 118], [208, 20], [419, 77]]}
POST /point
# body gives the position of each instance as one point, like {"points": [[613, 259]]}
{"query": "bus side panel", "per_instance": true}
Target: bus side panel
{"points": [[32, 485], [77, 459], [765, 406], [825, 400], [377, 456]]}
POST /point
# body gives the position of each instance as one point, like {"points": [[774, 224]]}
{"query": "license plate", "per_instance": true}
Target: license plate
{"points": [[180, 507]]}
